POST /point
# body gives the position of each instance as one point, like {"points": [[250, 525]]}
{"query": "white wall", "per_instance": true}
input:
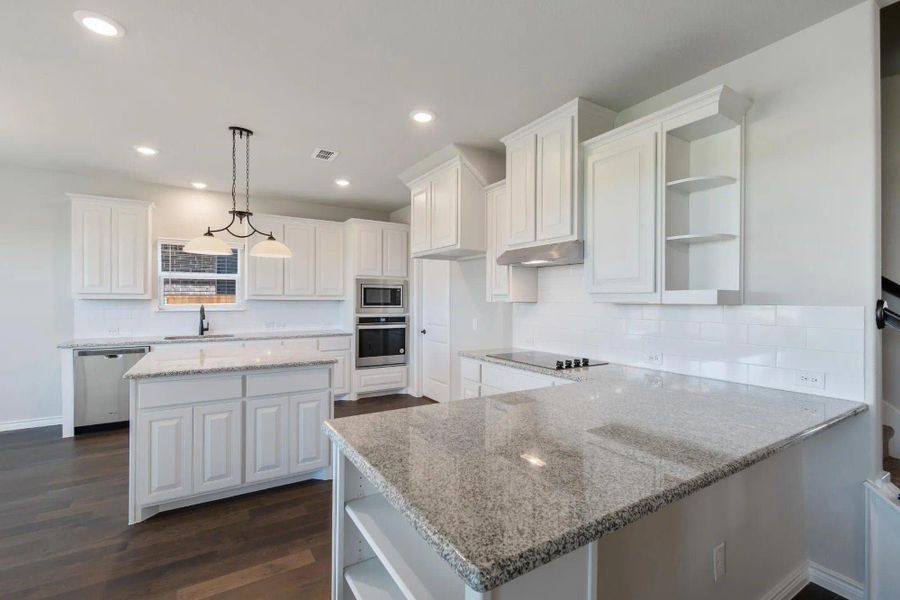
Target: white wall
{"points": [[812, 231], [401, 215], [36, 310]]}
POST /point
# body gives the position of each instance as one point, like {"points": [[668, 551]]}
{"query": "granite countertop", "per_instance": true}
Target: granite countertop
{"points": [[209, 338], [204, 361], [501, 485]]}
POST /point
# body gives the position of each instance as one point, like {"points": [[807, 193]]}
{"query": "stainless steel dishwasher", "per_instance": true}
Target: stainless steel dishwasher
{"points": [[101, 395]]}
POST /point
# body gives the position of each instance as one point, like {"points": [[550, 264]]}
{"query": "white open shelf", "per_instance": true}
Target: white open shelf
{"points": [[689, 185], [418, 572], [369, 580], [700, 238], [702, 297]]}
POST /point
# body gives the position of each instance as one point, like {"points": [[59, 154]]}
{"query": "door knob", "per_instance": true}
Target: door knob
{"points": [[423, 332]]}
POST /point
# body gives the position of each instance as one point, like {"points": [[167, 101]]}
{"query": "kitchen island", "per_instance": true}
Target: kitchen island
{"points": [[516, 495], [211, 422]]}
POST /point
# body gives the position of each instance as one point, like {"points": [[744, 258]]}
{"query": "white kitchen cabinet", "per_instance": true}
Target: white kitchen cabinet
{"points": [[267, 448], [110, 247], [504, 283], [470, 389], [543, 173], [341, 381], [217, 446], [621, 209], [163, 455], [314, 272], [664, 199], [379, 248], [309, 447], [479, 378], [329, 260], [447, 203]]}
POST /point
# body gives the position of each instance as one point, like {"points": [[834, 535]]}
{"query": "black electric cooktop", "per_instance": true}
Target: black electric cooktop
{"points": [[548, 360]]}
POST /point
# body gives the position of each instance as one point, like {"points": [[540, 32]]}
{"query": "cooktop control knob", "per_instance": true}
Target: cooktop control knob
{"points": [[568, 364], [577, 362], [585, 362], [559, 364]]}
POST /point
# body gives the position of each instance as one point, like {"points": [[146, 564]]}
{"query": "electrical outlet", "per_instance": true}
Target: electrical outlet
{"points": [[112, 331], [654, 358], [719, 561], [810, 379], [475, 324]]}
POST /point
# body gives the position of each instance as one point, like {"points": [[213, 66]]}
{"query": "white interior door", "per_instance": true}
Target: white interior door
{"points": [[436, 324]]}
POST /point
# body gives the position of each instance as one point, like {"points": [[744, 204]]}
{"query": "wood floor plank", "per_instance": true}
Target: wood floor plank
{"points": [[244, 577]]}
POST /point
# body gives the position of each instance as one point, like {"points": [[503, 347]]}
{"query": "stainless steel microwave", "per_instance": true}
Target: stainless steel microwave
{"points": [[381, 296]]}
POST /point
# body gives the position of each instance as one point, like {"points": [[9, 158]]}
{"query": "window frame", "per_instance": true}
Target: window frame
{"points": [[239, 296]]}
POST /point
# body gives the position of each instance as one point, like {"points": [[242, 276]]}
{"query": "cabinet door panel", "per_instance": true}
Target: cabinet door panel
{"points": [[329, 260], [163, 462], [621, 195], [217, 446], [396, 257], [500, 281], [265, 275], [368, 250], [309, 446], [520, 186], [420, 219], [266, 445], [128, 256], [91, 228], [341, 374], [554, 202], [445, 207], [299, 269]]}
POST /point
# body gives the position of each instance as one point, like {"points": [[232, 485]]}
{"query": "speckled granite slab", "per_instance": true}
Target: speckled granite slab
{"points": [[202, 361], [121, 342], [501, 485]]}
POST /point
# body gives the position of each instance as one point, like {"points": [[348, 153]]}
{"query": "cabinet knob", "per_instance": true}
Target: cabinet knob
{"points": [[423, 332]]}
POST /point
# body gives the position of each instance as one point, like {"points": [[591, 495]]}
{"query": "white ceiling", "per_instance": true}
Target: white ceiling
{"points": [[343, 75]]}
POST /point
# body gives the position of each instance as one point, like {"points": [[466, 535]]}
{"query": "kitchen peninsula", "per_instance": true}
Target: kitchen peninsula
{"points": [[517, 495], [217, 421]]}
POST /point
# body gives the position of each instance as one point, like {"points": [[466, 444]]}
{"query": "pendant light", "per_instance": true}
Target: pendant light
{"points": [[211, 245]]}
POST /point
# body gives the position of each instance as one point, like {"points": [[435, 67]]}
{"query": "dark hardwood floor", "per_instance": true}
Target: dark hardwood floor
{"points": [[64, 532]]}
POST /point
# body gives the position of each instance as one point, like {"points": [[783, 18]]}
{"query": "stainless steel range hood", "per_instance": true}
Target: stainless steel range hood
{"points": [[549, 255]]}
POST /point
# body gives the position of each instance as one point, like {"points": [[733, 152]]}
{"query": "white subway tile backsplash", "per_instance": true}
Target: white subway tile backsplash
{"points": [[760, 345], [776, 335], [837, 340]]}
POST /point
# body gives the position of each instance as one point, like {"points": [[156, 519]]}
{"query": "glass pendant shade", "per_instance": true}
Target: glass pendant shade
{"points": [[270, 248], [208, 244]]}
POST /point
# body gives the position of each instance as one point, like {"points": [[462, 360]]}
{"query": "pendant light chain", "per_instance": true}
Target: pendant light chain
{"points": [[247, 173], [233, 171]]}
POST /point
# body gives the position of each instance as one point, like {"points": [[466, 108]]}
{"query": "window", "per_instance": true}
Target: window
{"points": [[189, 280]]}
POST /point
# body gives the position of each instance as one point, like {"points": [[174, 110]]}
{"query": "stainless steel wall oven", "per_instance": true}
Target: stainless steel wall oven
{"points": [[380, 341]]}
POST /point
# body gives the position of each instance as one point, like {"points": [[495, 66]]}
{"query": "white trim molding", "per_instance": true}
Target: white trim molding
{"points": [[30, 423], [791, 585], [836, 582]]}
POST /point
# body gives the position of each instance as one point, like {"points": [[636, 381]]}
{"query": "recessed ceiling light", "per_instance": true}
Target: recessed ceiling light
{"points": [[199, 185], [147, 150], [342, 182], [422, 116], [99, 24]]}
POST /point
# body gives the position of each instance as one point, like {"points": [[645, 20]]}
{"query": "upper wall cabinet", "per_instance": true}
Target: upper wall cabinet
{"points": [[543, 173], [504, 283], [110, 247], [378, 248], [314, 272], [447, 202], [664, 199]]}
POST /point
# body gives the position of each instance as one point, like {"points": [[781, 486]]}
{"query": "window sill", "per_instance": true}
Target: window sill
{"points": [[196, 308]]}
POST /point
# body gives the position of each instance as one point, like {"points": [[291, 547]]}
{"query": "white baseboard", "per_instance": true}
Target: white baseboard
{"points": [[791, 585], [890, 415], [29, 423], [836, 582]]}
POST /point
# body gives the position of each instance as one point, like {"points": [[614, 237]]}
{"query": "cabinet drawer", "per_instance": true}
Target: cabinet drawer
{"points": [[304, 344], [334, 343], [155, 394], [470, 369], [376, 380], [282, 382]]}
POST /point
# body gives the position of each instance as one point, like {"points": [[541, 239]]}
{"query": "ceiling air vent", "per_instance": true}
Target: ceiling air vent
{"points": [[323, 154]]}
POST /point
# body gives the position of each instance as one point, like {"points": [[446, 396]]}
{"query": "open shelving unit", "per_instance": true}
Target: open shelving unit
{"points": [[703, 203]]}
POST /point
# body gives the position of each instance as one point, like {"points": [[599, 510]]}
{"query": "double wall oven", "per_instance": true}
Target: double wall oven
{"points": [[381, 322]]}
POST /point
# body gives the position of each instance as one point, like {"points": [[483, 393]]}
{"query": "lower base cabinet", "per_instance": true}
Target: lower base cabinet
{"points": [[480, 379], [164, 454], [267, 439], [309, 447], [218, 445]]}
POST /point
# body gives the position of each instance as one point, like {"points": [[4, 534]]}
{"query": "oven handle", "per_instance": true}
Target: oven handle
{"points": [[381, 326]]}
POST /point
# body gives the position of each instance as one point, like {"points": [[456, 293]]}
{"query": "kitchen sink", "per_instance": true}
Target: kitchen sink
{"points": [[199, 337]]}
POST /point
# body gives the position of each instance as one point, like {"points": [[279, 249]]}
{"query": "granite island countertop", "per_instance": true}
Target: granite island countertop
{"points": [[204, 361], [501, 485], [122, 342]]}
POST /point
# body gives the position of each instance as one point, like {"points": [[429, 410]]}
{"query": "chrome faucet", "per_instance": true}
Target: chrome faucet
{"points": [[204, 326]]}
